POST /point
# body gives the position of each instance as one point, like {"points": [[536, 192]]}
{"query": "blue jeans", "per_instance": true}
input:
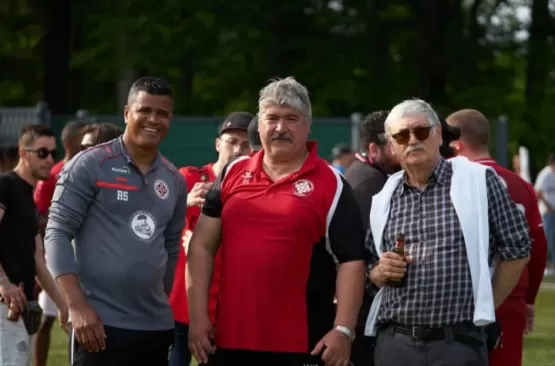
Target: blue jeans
{"points": [[181, 356], [549, 226]]}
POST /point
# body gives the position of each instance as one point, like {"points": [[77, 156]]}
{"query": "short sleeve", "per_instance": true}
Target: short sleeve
{"points": [[213, 202], [345, 229]]}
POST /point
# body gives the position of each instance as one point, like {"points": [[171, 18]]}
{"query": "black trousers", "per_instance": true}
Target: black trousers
{"points": [[125, 347]]}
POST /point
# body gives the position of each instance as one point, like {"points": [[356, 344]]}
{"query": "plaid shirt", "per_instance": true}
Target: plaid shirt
{"points": [[438, 288]]}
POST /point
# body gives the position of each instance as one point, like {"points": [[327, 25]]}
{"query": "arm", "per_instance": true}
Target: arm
{"points": [[541, 197], [346, 238], [538, 256], [376, 279], [3, 276], [203, 247], [511, 235], [75, 190], [172, 234], [43, 275], [5, 193]]}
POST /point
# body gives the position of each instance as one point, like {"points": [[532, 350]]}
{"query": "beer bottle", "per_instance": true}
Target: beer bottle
{"points": [[12, 315], [399, 249]]}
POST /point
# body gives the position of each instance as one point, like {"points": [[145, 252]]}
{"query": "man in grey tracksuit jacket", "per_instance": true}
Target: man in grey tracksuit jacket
{"points": [[126, 228]]}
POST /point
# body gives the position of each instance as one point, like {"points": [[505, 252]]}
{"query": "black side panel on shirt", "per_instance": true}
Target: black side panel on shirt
{"points": [[320, 291], [346, 237], [18, 229], [346, 231], [213, 202]]}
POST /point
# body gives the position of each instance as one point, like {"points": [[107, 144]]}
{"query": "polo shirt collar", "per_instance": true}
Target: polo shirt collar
{"points": [[255, 163], [439, 176], [120, 147]]}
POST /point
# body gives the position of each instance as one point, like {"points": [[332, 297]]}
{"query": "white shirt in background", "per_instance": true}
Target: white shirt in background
{"points": [[545, 182]]}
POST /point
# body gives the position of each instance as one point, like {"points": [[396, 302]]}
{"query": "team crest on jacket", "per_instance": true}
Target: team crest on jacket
{"points": [[247, 176], [303, 187], [161, 189]]}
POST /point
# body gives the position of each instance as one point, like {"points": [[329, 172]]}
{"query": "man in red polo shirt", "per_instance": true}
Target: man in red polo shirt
{"points": [[232, 142], [291, 237], [71, 139], [516, 314]]}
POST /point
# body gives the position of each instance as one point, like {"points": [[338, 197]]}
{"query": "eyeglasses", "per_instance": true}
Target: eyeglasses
{"points": [[403, 137], [43, 152], [243, 145]]}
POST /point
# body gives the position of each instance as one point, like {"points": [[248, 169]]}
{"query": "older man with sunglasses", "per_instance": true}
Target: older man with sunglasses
{"points": [[457, 220]]}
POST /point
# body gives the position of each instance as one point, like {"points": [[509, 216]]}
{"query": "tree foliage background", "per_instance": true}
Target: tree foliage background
{"points": [[353, 55]]}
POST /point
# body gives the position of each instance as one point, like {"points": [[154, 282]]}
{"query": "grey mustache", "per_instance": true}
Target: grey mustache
{"points": [[283, 137], [414, 148]]}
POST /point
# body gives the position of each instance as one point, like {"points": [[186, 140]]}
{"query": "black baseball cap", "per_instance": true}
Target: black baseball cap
{"points": [[236, 121], [448, 134], [339, 150], [254, 137]]}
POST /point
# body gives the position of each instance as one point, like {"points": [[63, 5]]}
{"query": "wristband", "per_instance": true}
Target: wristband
{"points": [[349, 333]]}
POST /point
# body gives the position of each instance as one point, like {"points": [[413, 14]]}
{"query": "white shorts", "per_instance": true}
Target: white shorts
{"points": [[15, 343], [48, 305]]}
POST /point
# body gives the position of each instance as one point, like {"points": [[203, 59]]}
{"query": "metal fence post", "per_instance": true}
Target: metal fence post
{"points": [[356, 119], [503, 141], [43, 113]]}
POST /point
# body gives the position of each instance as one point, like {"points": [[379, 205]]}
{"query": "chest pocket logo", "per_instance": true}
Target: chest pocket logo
{"points": [[143, 224], [303, 187]]}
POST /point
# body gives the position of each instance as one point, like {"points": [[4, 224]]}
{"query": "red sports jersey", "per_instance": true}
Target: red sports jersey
{"points": [[524, 196], [178, 296], [45, 189], [280, 244]]}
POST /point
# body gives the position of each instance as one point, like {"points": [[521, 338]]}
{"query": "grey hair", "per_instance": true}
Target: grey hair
{"points": [[411, 108], [286, 92]]}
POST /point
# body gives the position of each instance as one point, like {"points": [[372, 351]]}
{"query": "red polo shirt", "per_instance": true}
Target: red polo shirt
{"points": [[524, 196], [45, 189], [280, 245], [178, 296]]}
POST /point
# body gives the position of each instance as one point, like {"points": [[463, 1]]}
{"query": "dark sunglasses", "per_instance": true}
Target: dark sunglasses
{"points": [[403, 137], [43, 152]]}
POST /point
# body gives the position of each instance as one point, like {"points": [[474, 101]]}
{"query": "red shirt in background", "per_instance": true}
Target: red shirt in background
{"points": [[178, 296], [524, 196], [45, 189]]}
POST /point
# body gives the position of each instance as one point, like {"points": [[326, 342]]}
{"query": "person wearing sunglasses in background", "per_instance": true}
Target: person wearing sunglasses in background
{"points": [[21, 250], [455, 216], [230, 144], [71, 139], [99, 133]]}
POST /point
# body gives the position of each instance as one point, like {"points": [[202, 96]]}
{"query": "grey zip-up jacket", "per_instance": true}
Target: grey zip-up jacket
{"points": [[126, 229]]}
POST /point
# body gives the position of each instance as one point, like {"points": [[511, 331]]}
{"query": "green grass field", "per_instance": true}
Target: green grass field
{"points": [[539, 349]]}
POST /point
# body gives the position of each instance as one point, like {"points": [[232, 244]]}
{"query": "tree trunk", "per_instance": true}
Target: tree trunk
{"points": [[536, 76], [57, 53]]}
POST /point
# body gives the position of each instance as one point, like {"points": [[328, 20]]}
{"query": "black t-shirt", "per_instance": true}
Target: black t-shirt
{"points": [[18, 228], [366, 180]]}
